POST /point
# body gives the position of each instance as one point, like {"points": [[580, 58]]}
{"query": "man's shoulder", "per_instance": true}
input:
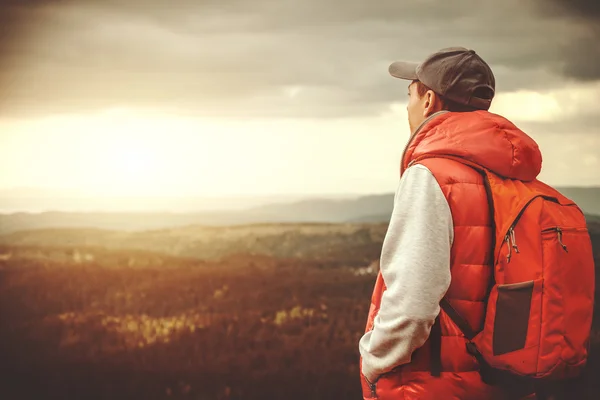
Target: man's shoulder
{"points": [[447, 171]]}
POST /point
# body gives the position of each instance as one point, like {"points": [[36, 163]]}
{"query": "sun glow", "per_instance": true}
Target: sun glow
{"points": [[135, 153], [122, 153]]}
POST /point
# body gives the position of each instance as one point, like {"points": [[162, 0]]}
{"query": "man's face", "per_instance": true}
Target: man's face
{"points": [[415, 108]]}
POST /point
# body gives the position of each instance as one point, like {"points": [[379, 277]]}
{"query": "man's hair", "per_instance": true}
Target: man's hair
{"points": [[447, 104]]}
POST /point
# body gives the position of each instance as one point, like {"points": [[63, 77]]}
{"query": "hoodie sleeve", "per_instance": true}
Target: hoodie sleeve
{"points": [[415, 266]]}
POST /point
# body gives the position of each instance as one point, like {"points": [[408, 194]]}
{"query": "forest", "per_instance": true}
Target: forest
{"points": [[87, 321]]}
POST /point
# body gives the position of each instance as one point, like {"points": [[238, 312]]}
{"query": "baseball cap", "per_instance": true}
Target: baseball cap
{"points": [[456, 73]]}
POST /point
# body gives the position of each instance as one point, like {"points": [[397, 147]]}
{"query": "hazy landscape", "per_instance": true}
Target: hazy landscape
{"points": [[323, 209], [247, 311], [249, 320], [194, 195]]}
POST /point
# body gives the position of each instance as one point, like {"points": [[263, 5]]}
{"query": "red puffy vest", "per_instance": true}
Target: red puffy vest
{"points": [[493, 142]]}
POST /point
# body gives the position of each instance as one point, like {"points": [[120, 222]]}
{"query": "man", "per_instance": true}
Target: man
{"points": [[439, 240]]}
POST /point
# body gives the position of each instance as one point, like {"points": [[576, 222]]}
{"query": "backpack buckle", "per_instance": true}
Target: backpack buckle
{"points": [[472, 350]]}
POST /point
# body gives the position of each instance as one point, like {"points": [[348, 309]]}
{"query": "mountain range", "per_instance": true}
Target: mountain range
{"points": [[362, 209]]}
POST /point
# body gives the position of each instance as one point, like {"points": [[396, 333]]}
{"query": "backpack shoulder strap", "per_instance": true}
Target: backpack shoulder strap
{"points": [[457, 319], [435, 336]]}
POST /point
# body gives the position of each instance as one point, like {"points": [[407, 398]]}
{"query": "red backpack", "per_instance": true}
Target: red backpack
{"points": [[540, 306]]}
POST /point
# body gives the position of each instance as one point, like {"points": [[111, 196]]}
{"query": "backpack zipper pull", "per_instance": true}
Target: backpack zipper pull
{"points": [[507, 240], [514, 240], [559, 232]]}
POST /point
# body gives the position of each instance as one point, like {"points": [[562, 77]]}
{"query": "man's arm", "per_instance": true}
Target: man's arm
{"points": [[415, 265]]}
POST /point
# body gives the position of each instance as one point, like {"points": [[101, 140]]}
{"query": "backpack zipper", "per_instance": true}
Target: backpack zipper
{"points": [[559, 232], [510, 239], [507, 240], [514, 240]]}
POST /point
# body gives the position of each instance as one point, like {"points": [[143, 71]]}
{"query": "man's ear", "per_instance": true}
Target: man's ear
{"points": [[432, 104]]}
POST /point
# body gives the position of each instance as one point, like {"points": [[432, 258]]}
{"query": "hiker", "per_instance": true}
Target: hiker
{"points": [[458, 310]]}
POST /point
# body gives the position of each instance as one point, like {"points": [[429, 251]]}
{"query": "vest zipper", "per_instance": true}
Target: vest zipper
{"points": [[373, 391], [372, 387]]}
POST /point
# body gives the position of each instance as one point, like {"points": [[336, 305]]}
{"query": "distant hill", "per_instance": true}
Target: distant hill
{"points": [[327, 210], [588, 198], [365, 209], [46, 200], [343, 244], [371, 218], [317, 210], [593, 219], [121, 221]]}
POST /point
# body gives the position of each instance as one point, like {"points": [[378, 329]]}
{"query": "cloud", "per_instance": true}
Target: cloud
{"points": [[586, 124], [587, 10], [240, 59], [581, 52], [570, 105]]}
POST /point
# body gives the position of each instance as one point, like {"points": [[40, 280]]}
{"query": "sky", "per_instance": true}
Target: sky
{"points": [[272, 97]]}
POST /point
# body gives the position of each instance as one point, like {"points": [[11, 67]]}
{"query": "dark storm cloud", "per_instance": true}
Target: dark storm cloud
{"points": [[585, 9], [581, 53], [270, 57]]}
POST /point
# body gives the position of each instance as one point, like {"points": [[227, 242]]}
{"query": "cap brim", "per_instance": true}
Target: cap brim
{"points": [[404, 70]]}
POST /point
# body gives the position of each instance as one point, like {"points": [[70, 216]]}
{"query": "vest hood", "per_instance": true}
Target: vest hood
{"points": [[484, 138]]}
